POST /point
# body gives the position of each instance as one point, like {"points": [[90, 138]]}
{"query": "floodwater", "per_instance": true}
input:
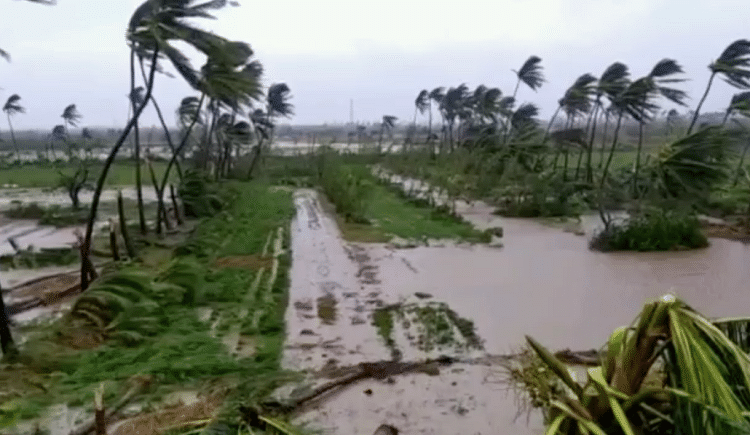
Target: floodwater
{"points": [[543, 282]]}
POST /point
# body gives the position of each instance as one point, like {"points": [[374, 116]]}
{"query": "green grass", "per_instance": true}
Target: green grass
{"points": [[177, 350], [392, 215], [39, 175]]}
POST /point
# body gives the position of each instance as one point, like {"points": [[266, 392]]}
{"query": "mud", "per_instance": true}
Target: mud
{"points": [[544, 282]]}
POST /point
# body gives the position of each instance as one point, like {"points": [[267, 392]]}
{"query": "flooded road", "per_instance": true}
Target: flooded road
{"points": [[543, 282]]}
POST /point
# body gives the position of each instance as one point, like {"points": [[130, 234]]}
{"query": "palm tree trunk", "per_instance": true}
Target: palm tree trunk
{"points": [[580, 154], [604, 140], [726, 117], [612, 150], [429, 126], [13, 138], [549, 126], [6, 339], [638, 159], [167, 135], [698, 109], [86, 247], [590, 150], [180, 147], [137, 145], [739, 165], [380, 139]]}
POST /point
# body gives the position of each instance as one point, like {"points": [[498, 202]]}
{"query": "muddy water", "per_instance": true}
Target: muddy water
{"points": [[8, 197], [543, 282]]}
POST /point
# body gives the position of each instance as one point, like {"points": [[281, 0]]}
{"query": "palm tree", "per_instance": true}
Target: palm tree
{"points": [[12, 107], [387, 125], [530, 74], [612, 82], [671, 120], [740, 103], [734, 65], [153, 28], [277, 104], [136, 99], [58, 134], [451, 106], [70, 116], [656, 85], [577, 98], [436, 95], [421, 104]]}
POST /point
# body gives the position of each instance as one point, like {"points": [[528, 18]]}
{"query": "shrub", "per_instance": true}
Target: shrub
{"points": [[350, 190], [200, 196], [654, 229]]}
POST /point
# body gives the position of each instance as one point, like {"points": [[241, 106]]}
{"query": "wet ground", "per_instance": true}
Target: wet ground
{"points": [[544, 282]]}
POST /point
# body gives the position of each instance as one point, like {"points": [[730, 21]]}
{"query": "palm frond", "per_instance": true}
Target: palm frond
{"points": [[422, 101], [188, 110], [437, 94], [734, 64], [71, 115], [693, 163], [389, 121], [12, 106], [279, 95], [614, 80], [524, 115], [531, 73], [660, 75], [4, 54]]}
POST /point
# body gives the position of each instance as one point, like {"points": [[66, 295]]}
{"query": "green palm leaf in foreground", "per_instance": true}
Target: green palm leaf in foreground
{"points": [[671, 371]]}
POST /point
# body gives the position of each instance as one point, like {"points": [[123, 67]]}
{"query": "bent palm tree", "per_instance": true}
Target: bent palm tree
{"points": [[421, 104], [387, 125], [71, 116], [12, 107], [136, 99], [656, 85], [277, 104], [530, 74], [734, 65], [740, 103], [152, 29]]}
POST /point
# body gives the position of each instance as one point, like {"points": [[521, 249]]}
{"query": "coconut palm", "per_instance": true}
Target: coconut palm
{"points": [[71, 116], [577, 99], [136, 99], [421, 104], [436, 96], [611, 83], [153, 29], [451, 106], [277, 104], [734, 65], [13, 107], [58, 134], [740, 103], [655, 85], [387, 125], [671, 120], [530, 74]]}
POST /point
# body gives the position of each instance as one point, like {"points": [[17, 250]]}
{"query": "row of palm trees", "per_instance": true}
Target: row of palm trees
{"points": [[486, 117], [229, 87], [231, 107]]}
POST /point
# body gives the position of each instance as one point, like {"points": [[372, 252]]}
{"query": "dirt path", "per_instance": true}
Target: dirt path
{"points": [[336, 288]]}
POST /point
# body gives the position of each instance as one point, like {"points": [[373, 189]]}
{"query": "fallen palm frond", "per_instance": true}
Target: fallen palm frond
{"points": [[672, 371]]}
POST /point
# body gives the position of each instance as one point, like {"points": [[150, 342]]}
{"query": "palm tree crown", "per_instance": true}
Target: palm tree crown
{"points": [[12, 107]]}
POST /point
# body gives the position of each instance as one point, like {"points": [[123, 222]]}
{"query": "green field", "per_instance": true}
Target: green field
{"points": [[122, 173]]}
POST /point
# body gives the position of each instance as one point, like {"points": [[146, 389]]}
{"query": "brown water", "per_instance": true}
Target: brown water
{"points": [[544, 282]]}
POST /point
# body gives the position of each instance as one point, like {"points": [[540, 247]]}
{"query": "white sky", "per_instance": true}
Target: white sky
{"points": [[378, 53]]}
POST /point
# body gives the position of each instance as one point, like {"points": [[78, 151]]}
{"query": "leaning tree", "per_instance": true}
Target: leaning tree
{"points": [[153, 30]]}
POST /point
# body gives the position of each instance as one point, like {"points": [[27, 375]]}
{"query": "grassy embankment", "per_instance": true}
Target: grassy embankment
{"points": [[205, 316], [368, 209]]}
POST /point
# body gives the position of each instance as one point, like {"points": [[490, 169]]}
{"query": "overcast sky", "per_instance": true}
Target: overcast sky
{"points": [[380, 54]]}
